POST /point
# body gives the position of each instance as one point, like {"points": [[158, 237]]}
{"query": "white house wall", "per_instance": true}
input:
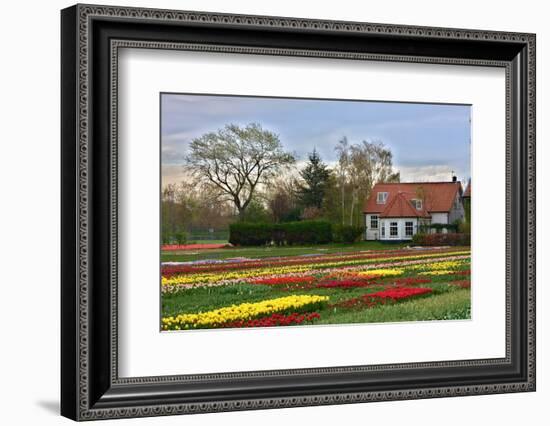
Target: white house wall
{"points": [[400, 228], [457, 212], [371, 234], [440, 217]]}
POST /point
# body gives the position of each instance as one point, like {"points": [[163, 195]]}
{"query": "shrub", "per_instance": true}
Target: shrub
{"points": [[464, 227], [347, 233], [450, 239], [307, 232], [302, 232], [250, 234], [180, 237]]}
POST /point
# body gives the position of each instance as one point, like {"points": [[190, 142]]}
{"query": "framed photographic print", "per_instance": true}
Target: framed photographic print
{"points": [[263, 212]]}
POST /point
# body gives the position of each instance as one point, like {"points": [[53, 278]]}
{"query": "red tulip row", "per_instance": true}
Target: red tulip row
{"points": [[345, 284], [275, 320], [284, 280], [383, 297], [411, 281]]}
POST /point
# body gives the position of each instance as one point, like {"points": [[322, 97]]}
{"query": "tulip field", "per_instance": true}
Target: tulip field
{"points": [[314, 286]]}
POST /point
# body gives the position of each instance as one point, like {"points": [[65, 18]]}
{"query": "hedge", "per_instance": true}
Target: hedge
{"points": [[250, 234], [307, 232], [347, 233], [259, 234], [449, 239]]}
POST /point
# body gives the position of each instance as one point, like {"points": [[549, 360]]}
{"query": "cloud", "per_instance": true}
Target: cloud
{"points": [[172, 173], [429, 173], [427, 140]]}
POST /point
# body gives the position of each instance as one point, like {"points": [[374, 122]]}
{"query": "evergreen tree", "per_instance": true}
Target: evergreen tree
{"points": [[315, 176]]}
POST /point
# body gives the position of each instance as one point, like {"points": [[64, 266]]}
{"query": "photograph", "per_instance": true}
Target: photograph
{"points": [[264, 209], [279, 212]]}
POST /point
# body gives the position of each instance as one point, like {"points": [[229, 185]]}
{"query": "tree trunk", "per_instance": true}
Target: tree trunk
{"points": [[242, 211], [343, 204], [353, 197]]}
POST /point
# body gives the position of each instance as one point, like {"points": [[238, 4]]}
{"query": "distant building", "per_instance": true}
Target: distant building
{"points": [[396, 211], [468, 191]]}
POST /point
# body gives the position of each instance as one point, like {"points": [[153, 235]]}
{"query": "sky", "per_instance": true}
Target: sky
{"points": [[428, 141]]}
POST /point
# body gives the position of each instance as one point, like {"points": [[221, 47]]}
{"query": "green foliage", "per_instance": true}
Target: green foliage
{"points": [[180, 237], [464, 228], [307, 232], [292, 216], [290, 233], [256, 212], [467, 202], [418, 238], [250, 234], [315, 176], [347, 233]]}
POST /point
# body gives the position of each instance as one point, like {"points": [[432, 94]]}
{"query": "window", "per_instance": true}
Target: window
{"points": [[417, 204], [393, 229], [408, 229], [383, 230], [381, 197], [374, 222]]}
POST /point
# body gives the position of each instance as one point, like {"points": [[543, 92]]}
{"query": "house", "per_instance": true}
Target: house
{"points": [[397, 211], [468, 192]]}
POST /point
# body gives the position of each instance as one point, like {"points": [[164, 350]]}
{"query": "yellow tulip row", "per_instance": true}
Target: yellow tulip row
{"points": [[243, 311], [436, 272], [445, 265], [382, 272]]}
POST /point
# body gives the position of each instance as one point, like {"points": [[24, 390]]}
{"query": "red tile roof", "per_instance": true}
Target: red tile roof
{"points": [[400, 206], [436, 196]]}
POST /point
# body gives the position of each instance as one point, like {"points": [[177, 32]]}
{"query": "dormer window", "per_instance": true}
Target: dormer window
{"points": [[381, 197], [417, 204]]}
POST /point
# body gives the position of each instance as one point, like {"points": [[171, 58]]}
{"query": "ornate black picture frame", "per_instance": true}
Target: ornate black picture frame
{"points": [[91, 37]]}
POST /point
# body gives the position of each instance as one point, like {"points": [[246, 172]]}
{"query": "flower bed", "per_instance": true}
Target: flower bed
{"points": [[306, 279], [180, 282], [436, 272], [373, 273], [274, 320], [242, 312], [218, 266], [181, 275], [383, 297], [411, 281]]}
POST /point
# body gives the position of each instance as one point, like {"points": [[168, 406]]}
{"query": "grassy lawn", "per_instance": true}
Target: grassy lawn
{"points": [[262, 252], [452, 305]]}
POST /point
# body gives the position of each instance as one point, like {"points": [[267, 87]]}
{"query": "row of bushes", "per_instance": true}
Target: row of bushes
{"points": [[291, 233], [449, 227], [449, 239]]}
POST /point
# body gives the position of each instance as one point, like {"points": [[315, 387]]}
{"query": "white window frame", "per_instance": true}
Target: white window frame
{"points": [[417, 203], [382, 230], [384, 197], [411, 228], [374, 217], [396, 229]]}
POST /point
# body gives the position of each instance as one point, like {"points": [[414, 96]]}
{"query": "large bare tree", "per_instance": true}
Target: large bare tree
{"points": [[237, 160]]}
